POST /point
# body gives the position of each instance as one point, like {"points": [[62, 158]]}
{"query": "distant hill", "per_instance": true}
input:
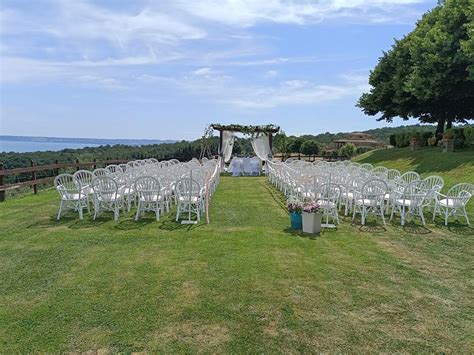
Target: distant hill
{"points": [[381, 134], [99, 141]]}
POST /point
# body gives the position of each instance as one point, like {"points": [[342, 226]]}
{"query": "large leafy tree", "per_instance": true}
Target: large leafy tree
{"points": [[429, 74]]}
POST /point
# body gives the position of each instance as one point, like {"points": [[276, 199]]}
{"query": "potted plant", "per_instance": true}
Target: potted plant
{"points": [[448, 141], [312, 218], [414, 142], [295, 208]]}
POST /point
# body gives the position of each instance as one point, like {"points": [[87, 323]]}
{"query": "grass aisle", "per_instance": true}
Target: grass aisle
{"points": [[244, 283]]}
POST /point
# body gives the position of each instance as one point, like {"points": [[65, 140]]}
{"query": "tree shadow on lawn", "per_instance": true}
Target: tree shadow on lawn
{"points": [[425, 160]]}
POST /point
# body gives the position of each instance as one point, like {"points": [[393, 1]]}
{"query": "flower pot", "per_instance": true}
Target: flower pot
{"points": [[296, 222], [413, 145], [312, 222], [448, 145]]}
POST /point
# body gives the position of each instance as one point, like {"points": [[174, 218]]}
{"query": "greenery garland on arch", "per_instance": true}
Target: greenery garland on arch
{"points": [[251, 130]]}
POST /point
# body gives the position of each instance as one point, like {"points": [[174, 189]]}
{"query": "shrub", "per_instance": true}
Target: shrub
{"points": [[363, 149], [432, 141], [348, 150], [424, 137], [469, 134], [448, 134], [392, 140]]}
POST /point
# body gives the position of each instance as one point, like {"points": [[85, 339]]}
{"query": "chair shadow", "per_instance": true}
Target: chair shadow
{"points": [[131, 224], [371, 226], [454, 227]]}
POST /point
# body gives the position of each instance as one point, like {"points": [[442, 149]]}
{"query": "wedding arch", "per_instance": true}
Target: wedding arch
{"points": [[262, 139]]}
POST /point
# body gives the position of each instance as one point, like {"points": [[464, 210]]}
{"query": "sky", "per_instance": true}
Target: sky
{"points": [[166, 69]]}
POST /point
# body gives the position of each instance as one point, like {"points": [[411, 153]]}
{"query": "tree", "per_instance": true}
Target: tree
{"points": [[429, 74], [348, 150], [295, 145], [310, 148], [281, 144]]}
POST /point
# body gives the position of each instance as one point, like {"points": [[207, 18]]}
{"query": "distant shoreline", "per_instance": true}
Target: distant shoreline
{"points": [[95, 141]]}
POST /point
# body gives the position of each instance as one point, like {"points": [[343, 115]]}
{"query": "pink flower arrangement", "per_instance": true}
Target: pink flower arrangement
{"points": [[312, 207], [295, 207]]}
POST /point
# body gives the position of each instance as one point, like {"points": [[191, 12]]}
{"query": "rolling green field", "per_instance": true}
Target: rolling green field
{"points": [[244, 283]]}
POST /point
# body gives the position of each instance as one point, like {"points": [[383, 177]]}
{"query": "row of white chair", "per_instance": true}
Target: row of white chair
{"points": [[364, 189], [149, 184]]}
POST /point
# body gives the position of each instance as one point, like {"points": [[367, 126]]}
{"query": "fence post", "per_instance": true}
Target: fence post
{"points": [[95, 165], [77, 167], [56, 171], [2, 193], [33, 177]]}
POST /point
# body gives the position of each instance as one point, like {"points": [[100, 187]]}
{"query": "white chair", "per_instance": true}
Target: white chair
{"points": [[371, 200], [149, 196], [454, 202], [327, 197], [189, 197], [85, 177], [409, 203], [72, 195], [107, 197], [434, 184]]}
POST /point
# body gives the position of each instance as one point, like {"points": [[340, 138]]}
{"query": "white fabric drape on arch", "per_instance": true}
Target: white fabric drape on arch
{"points": [[261, 147], [227, 145]]}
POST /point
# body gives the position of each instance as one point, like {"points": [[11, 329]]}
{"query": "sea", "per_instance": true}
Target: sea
{"points": [[30, 146]]}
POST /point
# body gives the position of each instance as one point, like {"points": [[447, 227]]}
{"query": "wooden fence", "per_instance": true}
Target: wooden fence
{"points": [[34, 169]]}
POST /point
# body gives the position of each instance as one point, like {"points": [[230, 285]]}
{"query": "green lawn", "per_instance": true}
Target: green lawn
{"points": [[244, 283]]}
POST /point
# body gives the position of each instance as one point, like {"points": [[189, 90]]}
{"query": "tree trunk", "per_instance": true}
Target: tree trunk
{"points": [[440, 128], [449, 124]]}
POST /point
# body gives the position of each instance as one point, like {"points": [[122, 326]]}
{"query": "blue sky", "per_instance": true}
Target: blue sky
{"points": [[167, 69]]}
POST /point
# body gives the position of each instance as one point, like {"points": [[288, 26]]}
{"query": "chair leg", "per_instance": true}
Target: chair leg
{"points": [[382, 214], [421, 215], [446, 216], [80, 211], [138, 211], [465, 215], [364, 211], [60, 210]]}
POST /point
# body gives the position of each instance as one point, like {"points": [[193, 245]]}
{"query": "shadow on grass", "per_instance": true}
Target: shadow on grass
{"points": [[423, 160], [172, 225], [131, 224], [454, 227]]}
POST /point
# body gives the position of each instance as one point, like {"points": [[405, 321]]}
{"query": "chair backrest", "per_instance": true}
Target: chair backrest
{"points": [[112, 169], [393, 174], [329, 192], [99, 172], [187, 187], [409, 177], [416, 191], [434, 183], [380, 171], [375, 190], [147, 187], [367, 166], [67, 186], [105, 188], [461, 192], [85, 177]]}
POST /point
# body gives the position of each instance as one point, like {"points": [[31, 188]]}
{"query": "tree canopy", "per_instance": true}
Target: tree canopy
{"points": [[429, 74]]}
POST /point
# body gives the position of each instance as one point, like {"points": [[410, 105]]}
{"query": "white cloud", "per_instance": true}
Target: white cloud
{"points": [[270, 74], [247, 13]]}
